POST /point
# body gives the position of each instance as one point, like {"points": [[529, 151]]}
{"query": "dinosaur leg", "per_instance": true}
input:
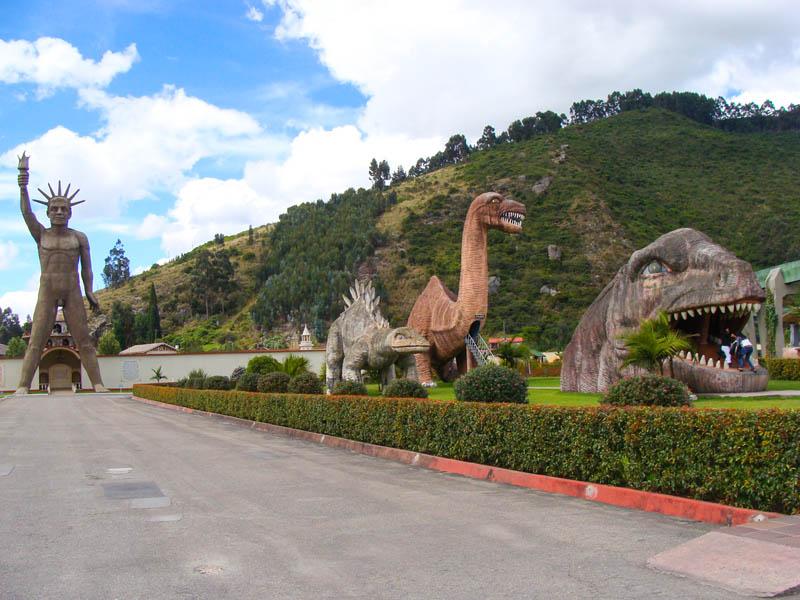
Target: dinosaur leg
{"points": [[461, 361], [448, 370], [423, 361], [351, 366], [333, 359], [388, 374]]}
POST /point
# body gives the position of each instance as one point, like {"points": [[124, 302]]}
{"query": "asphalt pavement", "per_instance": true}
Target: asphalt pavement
{"points": [[106, 497]]}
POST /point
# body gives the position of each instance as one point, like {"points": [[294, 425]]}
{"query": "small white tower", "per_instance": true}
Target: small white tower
{"points": [[305, 339]]}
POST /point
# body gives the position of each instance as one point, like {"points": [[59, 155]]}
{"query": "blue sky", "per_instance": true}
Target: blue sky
{"points": [[181, 119]]}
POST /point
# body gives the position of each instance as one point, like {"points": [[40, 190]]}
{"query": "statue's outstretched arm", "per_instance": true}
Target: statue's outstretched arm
{"points": [[86, 271], [25, 201]]}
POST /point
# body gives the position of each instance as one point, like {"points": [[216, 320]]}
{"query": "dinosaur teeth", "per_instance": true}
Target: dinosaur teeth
{"points": [[756, 307], [691, 312], [718, 364], [682, 354], [713, 309]]}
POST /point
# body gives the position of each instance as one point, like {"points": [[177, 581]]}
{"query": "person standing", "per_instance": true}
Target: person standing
{"points": [[745, 352]]}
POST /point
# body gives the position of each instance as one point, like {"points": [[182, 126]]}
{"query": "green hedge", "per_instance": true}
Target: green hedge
{"points": [[782, 368], [743, 458]]}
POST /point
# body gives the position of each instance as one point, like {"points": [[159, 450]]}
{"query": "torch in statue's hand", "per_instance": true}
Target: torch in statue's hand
{"points": [[22, 178]]}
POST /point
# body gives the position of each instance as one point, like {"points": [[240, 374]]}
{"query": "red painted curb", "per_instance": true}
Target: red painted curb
{"points": [[674, 506]]}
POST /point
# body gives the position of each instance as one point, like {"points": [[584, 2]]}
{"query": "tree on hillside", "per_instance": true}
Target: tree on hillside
{"points": [[488, 139], [379, 173], [399, 175], [117, 270], [9, 326], [212, 276], [250, 236], [456, 149], [153, 316], [123, 324]]}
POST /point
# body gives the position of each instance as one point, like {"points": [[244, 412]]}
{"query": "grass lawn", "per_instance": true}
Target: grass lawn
{"points": [[444, 391]]}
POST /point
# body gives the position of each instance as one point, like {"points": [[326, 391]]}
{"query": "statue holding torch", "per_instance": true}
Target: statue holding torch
{"points": [[61, 250]]}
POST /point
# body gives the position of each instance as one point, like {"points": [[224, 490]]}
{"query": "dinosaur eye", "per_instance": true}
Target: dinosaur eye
{"points": [[400, 336], [655, 267]]}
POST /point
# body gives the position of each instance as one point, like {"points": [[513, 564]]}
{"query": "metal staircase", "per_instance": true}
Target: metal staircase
{"points": [[479, 349]]}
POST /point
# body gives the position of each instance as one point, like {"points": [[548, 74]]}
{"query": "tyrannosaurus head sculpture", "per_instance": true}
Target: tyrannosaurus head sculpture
{"points": [[494, 211], [705, 290]]}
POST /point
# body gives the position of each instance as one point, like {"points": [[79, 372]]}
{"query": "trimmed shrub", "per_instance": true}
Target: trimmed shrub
{"points": [[196, 379], [648, 390], [263, 364], [782, 368], [349, 388], [405, 388], [248, 382], [305, 383], [741, 457], [217, 382], [491, 383], [237, 372], [277, 381]]}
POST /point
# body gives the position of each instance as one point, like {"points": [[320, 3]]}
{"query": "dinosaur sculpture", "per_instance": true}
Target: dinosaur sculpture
{"points": [[361, 338], [704, 289], [446, 319]]}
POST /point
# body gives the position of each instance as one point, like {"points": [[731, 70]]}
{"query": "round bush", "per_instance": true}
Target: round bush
{"points": [[405, 388], [350, 388], [277, 381], [263, 364], [248, 382], [218, 382], [237, 372], [305, 383], [648, 390], [491, 383]]}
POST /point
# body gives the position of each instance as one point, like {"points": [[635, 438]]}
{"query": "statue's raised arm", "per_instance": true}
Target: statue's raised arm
{"points": [[24, 200]]}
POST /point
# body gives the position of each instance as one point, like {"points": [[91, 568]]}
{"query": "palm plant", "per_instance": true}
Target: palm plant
{"points": [[511, 354], [158, 375], [293, 365], [653, 343]]}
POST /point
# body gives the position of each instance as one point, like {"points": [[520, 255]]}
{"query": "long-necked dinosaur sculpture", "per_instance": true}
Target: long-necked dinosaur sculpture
{"points": [[707, 293], [444, 318]]}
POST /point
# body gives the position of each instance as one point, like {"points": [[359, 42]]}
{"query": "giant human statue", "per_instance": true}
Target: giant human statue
{"points": [[60, 251]]}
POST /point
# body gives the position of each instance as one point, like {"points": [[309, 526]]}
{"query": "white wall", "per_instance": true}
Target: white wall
{"points": [[124, 371]]}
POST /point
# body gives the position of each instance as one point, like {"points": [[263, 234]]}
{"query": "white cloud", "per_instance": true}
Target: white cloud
{"points": [[438, 68], [253, 14], [207, 206], [8, 252], [22, 301], [53, 63], [146, 145]]}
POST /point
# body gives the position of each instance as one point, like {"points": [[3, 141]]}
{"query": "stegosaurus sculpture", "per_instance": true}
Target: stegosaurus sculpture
{"points": [[361, 338]]}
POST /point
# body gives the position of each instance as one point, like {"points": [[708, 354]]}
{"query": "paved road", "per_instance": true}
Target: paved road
{"points": [[105, 497]]}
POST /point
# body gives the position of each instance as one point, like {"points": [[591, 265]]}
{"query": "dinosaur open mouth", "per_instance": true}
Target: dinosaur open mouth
{"points": [[512, 218], [708, 326]]}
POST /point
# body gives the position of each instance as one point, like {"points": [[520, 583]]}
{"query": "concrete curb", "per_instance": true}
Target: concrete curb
{"points": [[674, 506]]}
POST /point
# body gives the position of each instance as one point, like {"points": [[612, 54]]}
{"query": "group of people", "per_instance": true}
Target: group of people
{"points": [[738, 346]]}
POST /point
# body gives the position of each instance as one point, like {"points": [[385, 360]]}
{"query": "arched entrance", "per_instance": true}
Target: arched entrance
{"points": [[60, 369]]}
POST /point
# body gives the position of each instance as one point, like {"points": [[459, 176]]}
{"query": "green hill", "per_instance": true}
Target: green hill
{"points": [[617, 184]]}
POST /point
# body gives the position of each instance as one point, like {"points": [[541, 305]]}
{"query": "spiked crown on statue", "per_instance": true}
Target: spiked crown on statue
{"points": [[58, 195]]}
